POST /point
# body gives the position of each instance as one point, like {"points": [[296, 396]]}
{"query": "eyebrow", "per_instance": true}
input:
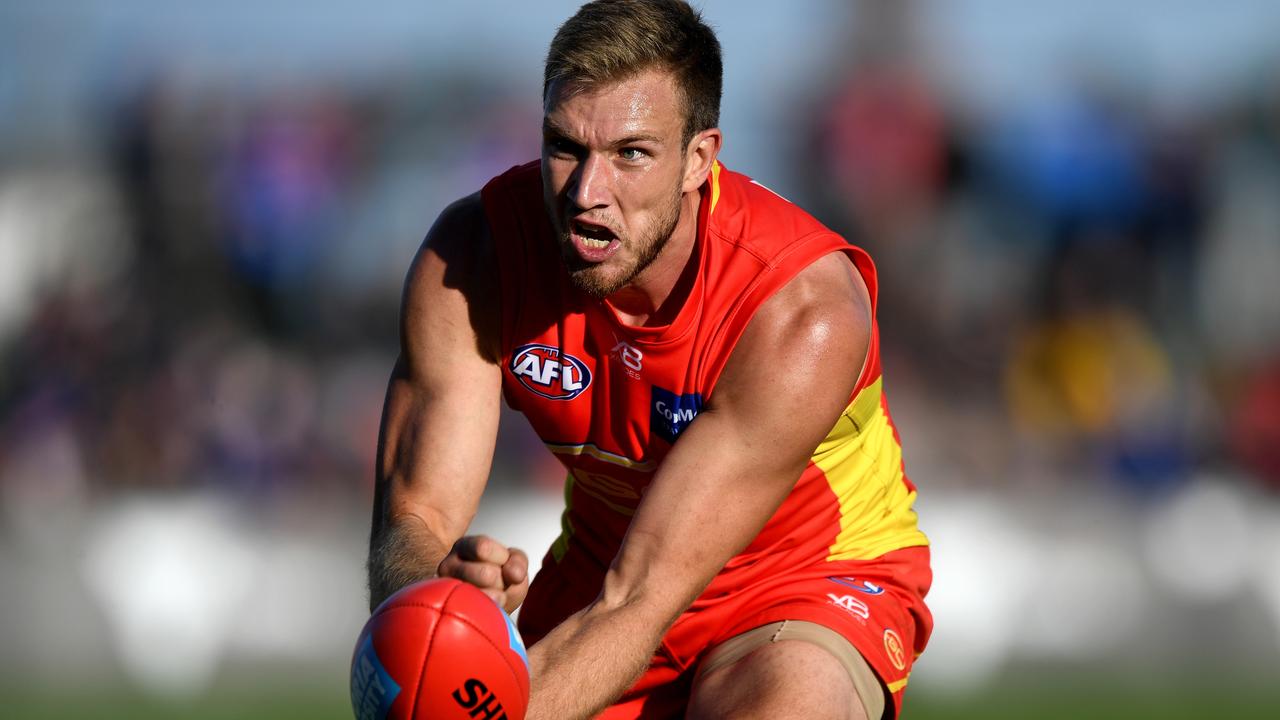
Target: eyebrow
{"points": [[641, 137], [549, 127]]}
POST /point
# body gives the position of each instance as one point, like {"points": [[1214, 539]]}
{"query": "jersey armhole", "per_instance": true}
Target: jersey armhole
{"points": [[771, 280]]}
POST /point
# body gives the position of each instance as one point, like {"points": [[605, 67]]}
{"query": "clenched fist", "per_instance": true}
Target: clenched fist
{"points": [[501, 572]]}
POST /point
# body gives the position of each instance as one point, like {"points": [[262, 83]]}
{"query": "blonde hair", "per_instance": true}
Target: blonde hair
{"points": [[608, 41]]}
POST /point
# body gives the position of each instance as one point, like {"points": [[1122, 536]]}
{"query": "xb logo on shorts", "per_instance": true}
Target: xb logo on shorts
{"points": [[850, 603], [545, 371]]}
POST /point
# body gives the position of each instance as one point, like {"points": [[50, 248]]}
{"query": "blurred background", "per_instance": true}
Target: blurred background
{"points": [[207, 210]]}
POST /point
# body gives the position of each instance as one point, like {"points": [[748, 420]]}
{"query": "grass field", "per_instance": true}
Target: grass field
{"points": [[1038, 699], [1050, 702]]}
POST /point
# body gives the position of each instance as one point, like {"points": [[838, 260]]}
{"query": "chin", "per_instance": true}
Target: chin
{"points": [[596, 283]]}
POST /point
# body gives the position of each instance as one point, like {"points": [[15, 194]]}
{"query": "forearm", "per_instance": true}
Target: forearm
{"points": [[400, 553], [590, 659]]}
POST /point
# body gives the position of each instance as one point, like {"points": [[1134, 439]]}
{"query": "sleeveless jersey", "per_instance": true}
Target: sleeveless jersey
{"points": [[609, 399]]}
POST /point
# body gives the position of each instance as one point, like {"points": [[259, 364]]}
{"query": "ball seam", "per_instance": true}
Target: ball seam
{"points": [[422, 673]]}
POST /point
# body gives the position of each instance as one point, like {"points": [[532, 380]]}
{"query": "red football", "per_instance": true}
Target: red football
{"points": [[439, 649]]}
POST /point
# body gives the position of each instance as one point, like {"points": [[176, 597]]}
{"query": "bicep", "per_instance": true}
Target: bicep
{"points": [[440, 420], [788, 380]]}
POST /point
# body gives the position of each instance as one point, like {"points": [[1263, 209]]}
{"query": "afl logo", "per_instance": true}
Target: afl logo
{"points": [[544, 371]]}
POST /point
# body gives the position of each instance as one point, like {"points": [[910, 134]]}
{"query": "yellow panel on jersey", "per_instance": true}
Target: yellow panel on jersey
{"points": [[715, 186], [862, 462]]}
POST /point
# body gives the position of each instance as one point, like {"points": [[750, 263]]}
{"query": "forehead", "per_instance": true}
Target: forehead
{"points": [[647, 101]]}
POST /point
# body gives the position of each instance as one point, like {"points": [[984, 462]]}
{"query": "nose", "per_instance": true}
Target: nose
{"points": [[590, 187]]}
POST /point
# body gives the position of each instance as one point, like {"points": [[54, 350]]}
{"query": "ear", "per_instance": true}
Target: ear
{"points": [[700, 156]]}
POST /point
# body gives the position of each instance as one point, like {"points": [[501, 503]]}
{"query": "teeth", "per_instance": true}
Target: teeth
{"points": [[593, 243]]}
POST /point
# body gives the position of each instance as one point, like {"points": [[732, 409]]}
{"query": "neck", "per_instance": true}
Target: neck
{"points": [[652, 297]]}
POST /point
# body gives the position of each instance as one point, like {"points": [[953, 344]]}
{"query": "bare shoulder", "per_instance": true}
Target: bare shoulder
{"points": [[450, 293], [459, 241], [828, 292], [826, 305], [818, 325]]}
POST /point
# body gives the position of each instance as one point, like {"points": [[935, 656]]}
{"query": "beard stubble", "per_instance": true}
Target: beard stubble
{"points": [[598, 280]]}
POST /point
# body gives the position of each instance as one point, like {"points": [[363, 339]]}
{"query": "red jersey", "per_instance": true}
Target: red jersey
{"points": [[609, 399]]}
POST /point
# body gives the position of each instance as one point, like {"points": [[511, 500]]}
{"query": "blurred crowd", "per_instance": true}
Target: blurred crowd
{"points": [[207, 294], [1080, 290]]}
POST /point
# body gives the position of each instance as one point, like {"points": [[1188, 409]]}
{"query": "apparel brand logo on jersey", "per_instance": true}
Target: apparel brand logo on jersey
{"points": [[630, 357], [862, 586], [894, 648], [670, 414], [546, 372], [850, 603]]}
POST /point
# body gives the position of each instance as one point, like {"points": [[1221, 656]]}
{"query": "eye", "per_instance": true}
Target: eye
{"points": [[633, 154], [562, 147]]}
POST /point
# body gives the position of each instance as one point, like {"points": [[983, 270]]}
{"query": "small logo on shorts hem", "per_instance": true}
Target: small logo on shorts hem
{"points": [[894, 649]]}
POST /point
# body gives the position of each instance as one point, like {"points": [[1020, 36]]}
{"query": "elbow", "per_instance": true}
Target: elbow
{"points": [[426, 522], [652, 604]]}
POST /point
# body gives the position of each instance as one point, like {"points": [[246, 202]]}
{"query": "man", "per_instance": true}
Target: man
{"points": [[702, 356]]}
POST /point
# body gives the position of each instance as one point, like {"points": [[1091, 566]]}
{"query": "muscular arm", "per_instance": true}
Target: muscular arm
{"points": [[440, 419], [716, 489]]}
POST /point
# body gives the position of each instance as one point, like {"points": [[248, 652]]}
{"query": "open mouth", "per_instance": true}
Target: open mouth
{"points": [[592, 236]]}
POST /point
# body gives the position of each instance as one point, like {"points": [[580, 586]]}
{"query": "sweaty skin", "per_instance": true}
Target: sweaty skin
{"points": [[613, 165], [616, 176]]}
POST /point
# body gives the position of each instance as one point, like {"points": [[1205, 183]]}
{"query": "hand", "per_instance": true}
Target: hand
{"points": [[501, 572]]}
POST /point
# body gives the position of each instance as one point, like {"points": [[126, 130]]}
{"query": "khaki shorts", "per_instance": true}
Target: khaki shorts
{"points": [[869, 614], [870, 691]]}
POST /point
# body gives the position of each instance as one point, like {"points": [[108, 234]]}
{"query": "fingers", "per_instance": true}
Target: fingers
{"points": [[481, 548], [515, 573], [482, 575], [500, 572], [516, 569]]}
